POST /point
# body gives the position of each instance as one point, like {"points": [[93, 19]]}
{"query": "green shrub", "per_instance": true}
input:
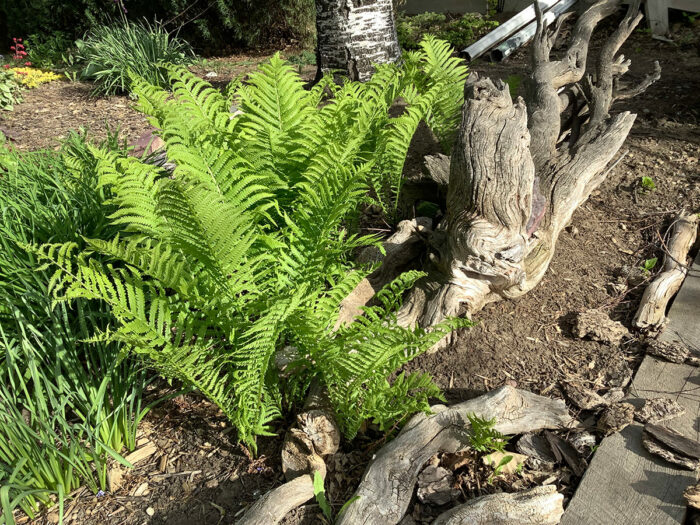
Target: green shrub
{"points": [[111, 53], [65, 405], [245, 249], [46, 50], [10, 90], [459, 32]]}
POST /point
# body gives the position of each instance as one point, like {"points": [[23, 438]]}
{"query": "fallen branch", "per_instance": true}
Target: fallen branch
{"points": [[389, 481], [538, 506], [651, 314], [273, 506]]}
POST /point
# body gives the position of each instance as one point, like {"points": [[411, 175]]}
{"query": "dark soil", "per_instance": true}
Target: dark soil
{"points": [[208, 479]]}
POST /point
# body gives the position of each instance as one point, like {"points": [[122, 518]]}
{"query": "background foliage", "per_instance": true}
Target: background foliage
{"points": [[213, 26], [111, 53]]}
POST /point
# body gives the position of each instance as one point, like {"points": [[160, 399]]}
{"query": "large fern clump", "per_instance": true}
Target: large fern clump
{"points": [[244, 247]]}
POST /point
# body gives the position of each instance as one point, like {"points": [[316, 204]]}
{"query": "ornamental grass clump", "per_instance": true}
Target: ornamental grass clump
{"points": [[111, 53], [66, 405]]}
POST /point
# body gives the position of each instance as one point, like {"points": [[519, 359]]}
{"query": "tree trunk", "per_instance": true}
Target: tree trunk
{"points": [[353, 35], [519, 169]]}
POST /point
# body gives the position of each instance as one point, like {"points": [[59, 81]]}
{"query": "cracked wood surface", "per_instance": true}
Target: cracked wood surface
{"points": [[388, 483]]}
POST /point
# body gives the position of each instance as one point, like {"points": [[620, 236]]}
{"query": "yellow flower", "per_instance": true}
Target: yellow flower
{"points": [[31, 77]]}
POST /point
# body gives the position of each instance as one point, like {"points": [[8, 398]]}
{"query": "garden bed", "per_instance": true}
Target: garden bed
{"points": [[207, 478]]}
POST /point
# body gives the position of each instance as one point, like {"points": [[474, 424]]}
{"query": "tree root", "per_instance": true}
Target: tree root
{"points": [[388, 483], [538, 506]]}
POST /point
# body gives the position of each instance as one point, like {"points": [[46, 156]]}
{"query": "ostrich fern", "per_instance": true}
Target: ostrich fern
{"points": [[243, 249]]}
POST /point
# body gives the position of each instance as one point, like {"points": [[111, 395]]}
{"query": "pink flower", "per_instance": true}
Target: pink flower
{"points": [[19, 40], [27, 63], [6, 66]]}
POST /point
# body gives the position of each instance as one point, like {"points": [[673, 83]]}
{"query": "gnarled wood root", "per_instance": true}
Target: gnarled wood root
{"points": [[651, 314], [520, 169], [271, 508], [388, 483], [538, 506]]}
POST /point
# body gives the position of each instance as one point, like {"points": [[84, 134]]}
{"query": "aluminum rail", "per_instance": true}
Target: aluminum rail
{"points": [[505, 30], [522, 37]]}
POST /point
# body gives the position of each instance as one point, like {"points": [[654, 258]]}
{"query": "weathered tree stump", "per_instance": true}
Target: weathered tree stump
{"points": [[519, 169]]}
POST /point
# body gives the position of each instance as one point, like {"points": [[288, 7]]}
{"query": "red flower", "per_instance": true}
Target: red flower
{"points": [[19, 40], [6, 66], [12, 47], [27, 63], [14, 40]]}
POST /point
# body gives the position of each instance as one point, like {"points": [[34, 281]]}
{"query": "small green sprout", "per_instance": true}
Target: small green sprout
{"points": [[320, 494], [648, 183], [498, 468], [648, 265], [483, 437]]}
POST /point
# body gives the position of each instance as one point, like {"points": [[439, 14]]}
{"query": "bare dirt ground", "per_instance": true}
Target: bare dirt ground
{"points": [[199, 475]]}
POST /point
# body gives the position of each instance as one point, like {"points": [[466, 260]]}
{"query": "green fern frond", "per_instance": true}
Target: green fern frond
{"points": [[246, 245]]}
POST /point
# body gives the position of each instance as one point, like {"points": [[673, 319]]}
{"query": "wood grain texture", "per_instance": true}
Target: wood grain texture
{"points": [[388, 483], [625, 484], [652, 309], [537, 506]]}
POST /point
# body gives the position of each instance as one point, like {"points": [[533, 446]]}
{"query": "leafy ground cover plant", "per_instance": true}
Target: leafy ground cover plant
{"points": [[244, 248], [66, 405], [10, 90], [31, 77], [111, 53], [458, 31]]}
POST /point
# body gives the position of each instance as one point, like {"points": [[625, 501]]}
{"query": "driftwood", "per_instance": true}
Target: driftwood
{"points": [[519, 170], [651, 314], [538, 506], [400, 249], [584, 398], [597, 326], [671, 446], [673, 351], [674, 440], [692, 496], [616, 417], [388, 483], [436, 486], [659, 409], [565, 451], [538, 451], [271, 508]]}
